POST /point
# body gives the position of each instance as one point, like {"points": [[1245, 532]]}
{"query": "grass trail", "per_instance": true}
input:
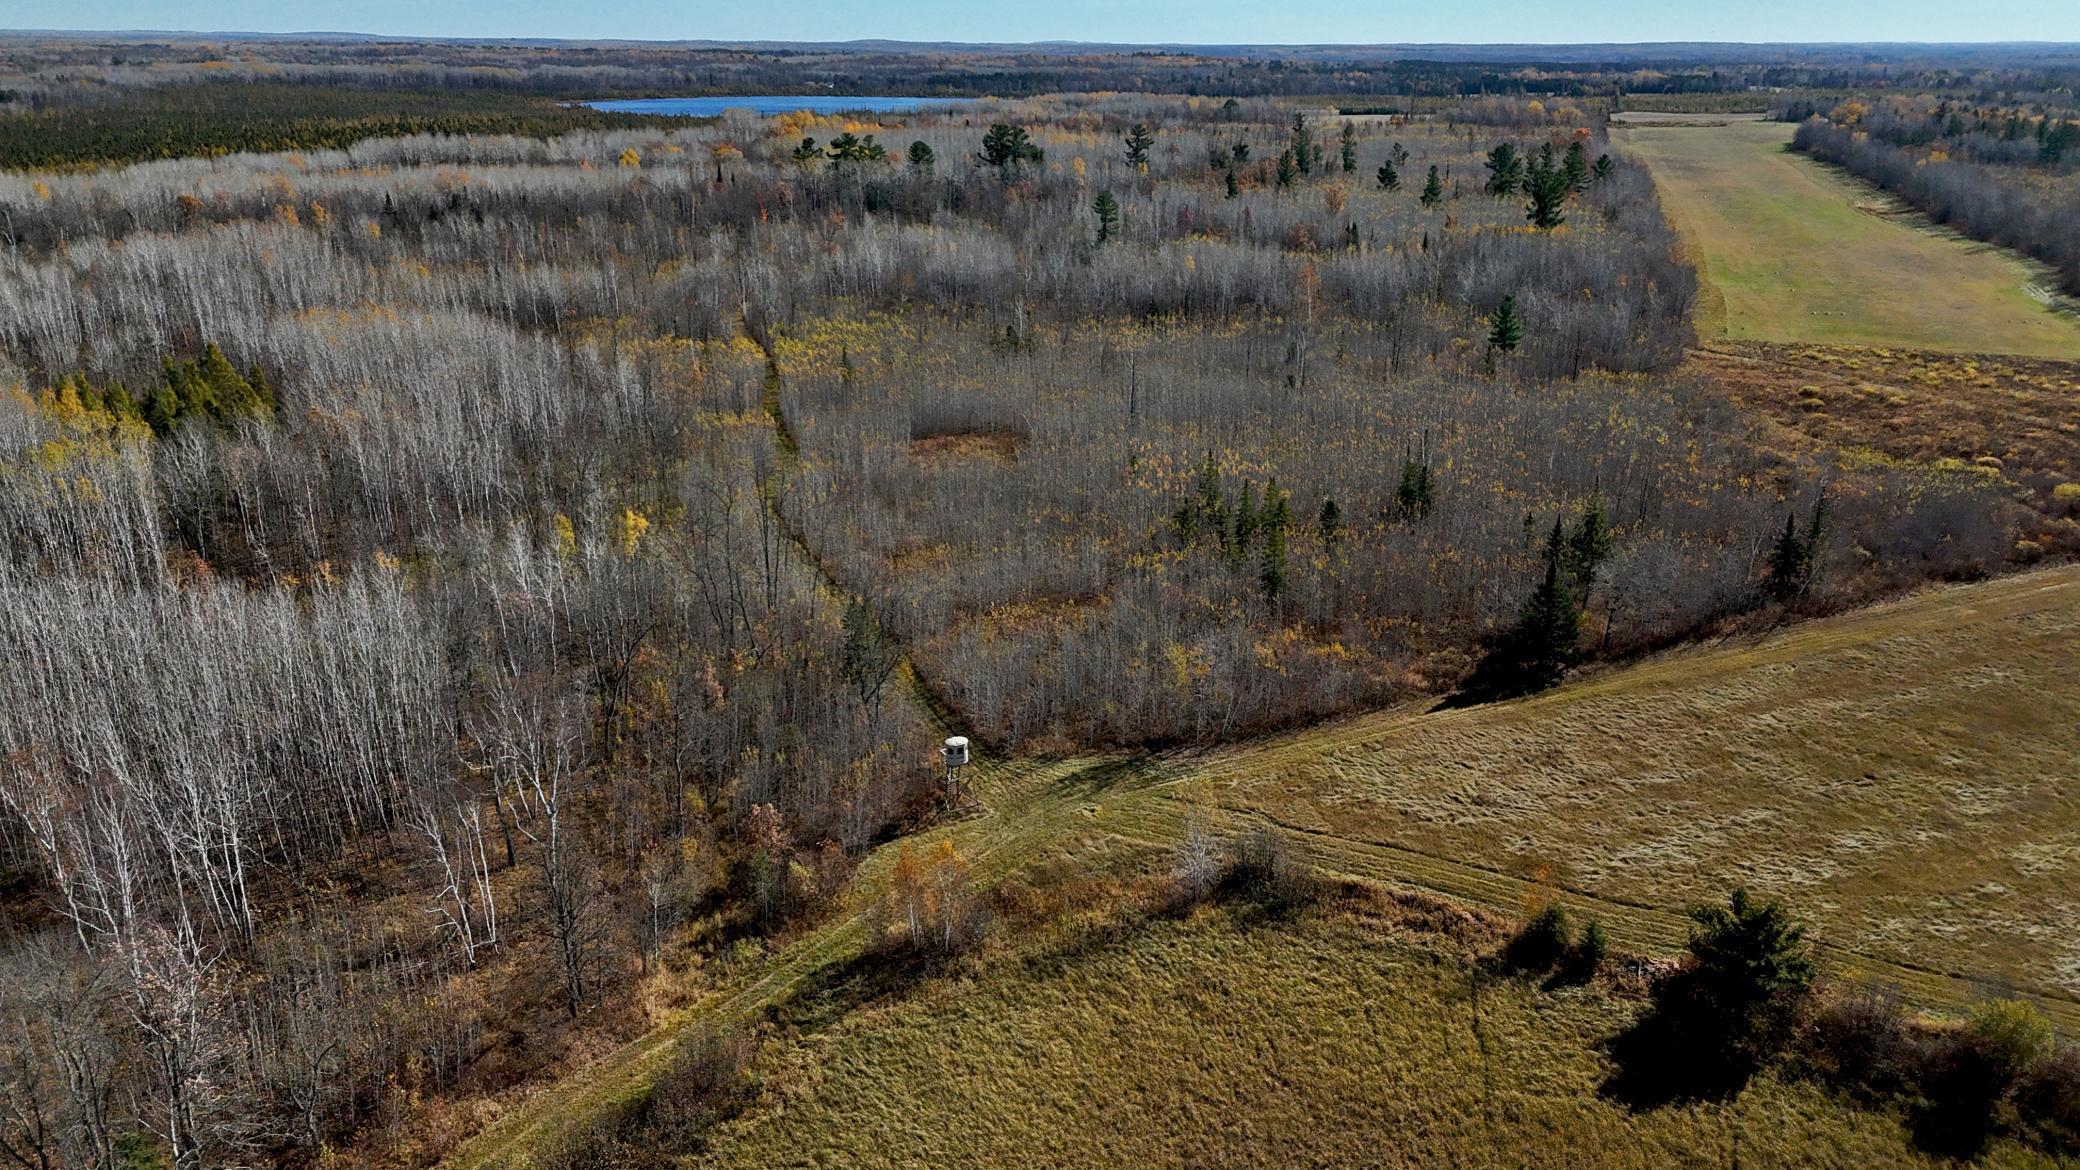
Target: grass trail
{"points": [[1793, 250]]}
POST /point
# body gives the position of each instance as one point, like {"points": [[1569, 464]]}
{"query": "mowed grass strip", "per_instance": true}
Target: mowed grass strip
{"points": [[1904, 776], [1798, 251], [1233, 1040]]}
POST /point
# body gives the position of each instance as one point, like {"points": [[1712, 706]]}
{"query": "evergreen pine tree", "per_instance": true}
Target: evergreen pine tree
{"points": [[1548, 188], [1329, 523], [1139, 139], [1604, 168], [1506, 328], [1787, 562], [1106, 209], [263, 390], [1246, 518], [1350, 149], [1306, 155], [1234, 186], [162, 407], [1589, 545], [1389, 178], [1505, 169], [1542, 646], [1271, 569], [1288, 170], [921, 157], [1433, 189], [1749, 976], [1415, 494], [117, 396], [1008, 147], [191, 393], [1576, 167], [1211, 503], [229, 394], [1277, 517]]}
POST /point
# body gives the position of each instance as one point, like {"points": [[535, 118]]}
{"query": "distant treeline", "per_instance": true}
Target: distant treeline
{"points": [[218, 118], [62, 70]]}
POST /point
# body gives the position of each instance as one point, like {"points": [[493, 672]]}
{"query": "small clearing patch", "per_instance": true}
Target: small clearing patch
{"points": [[1001, 446]]}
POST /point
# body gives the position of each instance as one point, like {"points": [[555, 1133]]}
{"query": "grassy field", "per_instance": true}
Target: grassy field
{"points": [[1903, 776], [1235, 1041], [1796, 251]]}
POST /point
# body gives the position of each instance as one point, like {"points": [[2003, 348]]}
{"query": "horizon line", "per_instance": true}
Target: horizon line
{"points": [[326, 34]]}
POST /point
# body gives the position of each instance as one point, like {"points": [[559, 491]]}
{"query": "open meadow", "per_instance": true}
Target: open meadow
{"points": [[1799, 252], [1902, 776]]}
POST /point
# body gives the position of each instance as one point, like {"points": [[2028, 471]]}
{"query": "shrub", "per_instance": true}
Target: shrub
{"points": [[1969, 1073], [1264, 866], [1589, 951], [2014, 1034], [2048, 1099], [1857, 1041], [1731, 1010], [1199, 868], [703, 1084]]}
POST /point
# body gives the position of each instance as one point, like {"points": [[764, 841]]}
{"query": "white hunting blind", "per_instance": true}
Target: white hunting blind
{"points": [[955, 753]]}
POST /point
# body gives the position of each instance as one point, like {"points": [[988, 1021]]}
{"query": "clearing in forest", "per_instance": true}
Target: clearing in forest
{"points": [[1900, 775], [1793, 250]]}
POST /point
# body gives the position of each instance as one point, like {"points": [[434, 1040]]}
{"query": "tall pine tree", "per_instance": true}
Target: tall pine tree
{"points": [[1506, 328]]}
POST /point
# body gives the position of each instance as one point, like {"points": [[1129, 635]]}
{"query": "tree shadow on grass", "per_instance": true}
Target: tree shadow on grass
{"points": [[874, 976], [1661, 1063]]}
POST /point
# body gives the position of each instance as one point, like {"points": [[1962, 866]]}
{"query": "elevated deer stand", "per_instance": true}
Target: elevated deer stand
{"points": [[955, 753]]}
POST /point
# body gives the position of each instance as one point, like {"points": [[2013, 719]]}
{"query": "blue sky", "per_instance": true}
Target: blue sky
{"points": [[1199, 21]]}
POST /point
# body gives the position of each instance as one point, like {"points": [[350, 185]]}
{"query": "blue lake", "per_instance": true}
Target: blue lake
{"points": [[708, 107]]}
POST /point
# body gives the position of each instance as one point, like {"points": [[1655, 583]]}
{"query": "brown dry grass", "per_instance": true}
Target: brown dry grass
{"points": [[2017, 418], [1903, 776], [1001, 446], [1331, 1039]]}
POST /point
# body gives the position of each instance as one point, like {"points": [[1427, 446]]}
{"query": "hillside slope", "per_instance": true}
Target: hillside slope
{"points": [[1901, 774]]}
